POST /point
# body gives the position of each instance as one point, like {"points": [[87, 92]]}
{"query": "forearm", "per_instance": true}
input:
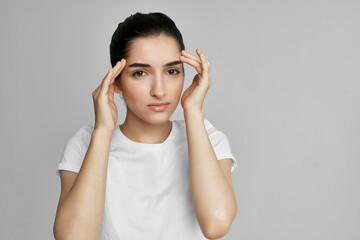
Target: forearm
{"points": [[212, 197], [80, 215]]}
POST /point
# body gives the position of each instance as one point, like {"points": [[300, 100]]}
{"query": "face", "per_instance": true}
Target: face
{"points": [[153, 74]]}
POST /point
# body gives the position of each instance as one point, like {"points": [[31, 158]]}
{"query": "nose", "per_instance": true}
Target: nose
{"points": [[158, 87]]}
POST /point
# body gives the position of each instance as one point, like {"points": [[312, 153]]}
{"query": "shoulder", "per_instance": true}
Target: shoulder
{"points": [[75, 149], [181, 123], [210, 128], [82, 136], [84, 132]]}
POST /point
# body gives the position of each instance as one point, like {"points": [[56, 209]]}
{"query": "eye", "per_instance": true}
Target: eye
{"points": [[135, 74], [173, 72]]}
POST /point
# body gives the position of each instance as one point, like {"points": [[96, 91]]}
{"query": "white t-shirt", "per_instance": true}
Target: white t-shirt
{"points": [[148, 185]]}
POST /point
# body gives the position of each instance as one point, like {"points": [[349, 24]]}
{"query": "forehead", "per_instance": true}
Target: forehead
{"points": [[155, 50]]}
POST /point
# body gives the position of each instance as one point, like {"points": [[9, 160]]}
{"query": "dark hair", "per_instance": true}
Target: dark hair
{"points": [[141, 25]]}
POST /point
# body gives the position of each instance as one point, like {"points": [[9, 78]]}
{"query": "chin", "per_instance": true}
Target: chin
{"points": [[158, 118], [151, 117]]}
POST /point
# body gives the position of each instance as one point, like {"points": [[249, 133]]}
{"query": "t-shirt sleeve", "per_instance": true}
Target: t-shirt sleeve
{"points": [[220, 143], [75, 149]]}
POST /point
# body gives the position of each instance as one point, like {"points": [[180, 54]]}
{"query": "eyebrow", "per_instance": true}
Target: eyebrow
{"points": [[147, 65]]}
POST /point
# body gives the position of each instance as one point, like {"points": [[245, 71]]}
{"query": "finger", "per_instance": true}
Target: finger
{"points": [[205, 67], [195, 64], [111, 91], [107, 77], [207, 61], [203, 59], [189, 55], [109, 87], [106, 82], [118, 69], [97, 90]]}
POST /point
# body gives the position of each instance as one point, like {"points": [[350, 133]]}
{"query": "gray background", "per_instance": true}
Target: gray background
{"points": [[285, 91]]}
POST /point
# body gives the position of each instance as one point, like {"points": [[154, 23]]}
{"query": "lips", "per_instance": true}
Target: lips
{"points": [[158, 107], [159, 104]]}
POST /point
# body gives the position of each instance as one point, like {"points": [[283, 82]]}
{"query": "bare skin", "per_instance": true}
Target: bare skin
{"points": [[81, 204], [146, 85], [212, 192]]}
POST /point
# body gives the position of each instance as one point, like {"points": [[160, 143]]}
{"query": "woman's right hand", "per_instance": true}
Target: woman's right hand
{"points": [[105, 108]]}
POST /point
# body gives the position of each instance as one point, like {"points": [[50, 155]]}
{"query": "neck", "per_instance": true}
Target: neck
{"points": [[138, 130]]}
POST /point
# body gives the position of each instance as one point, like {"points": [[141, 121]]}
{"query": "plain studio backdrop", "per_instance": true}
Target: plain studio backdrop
{"points": [[285, 90]]}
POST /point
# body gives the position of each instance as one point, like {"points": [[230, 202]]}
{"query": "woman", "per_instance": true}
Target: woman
{"points": [[149, 178]]}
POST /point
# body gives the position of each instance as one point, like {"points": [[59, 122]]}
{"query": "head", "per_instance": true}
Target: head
{"points": [[151, 45]]}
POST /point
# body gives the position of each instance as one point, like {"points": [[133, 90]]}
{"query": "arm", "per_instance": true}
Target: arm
{"points": [[212, 196], [80, 214]]}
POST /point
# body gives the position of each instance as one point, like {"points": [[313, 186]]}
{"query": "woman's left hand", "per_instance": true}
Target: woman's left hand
{"points": [[194, 96]]}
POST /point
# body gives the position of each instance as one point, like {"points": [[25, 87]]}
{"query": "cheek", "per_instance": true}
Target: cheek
{"points": [[134, 93], [177, 88]]}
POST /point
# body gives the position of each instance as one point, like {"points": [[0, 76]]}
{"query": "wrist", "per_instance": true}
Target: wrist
{"points": [[193, 112], [102, 133]]}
